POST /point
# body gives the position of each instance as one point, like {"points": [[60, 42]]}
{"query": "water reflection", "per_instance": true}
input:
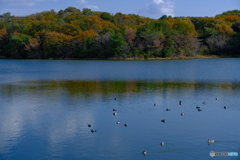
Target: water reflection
{"points": [[53, 115], [88, 88]]}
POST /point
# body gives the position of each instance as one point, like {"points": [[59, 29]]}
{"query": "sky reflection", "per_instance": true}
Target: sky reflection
{"points": [[53, 115]]}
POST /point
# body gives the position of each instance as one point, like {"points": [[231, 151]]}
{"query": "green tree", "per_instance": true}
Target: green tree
{"points": [[16, 46], [164, 17], [229, 13], [103, 46], [87, 11], [6, 16], [170, 47], [48, 16], [106, 16], [120, 47], [72, 10], [74, 17], [236, 26]]}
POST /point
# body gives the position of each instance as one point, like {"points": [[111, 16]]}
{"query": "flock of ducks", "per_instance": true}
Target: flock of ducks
{"points": [[162, 144], [92, 130], [114, 113], [144, 152]]}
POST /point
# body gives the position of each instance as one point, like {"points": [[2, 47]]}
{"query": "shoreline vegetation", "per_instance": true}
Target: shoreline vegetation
{"points": [[133, 59], [73, 34]]}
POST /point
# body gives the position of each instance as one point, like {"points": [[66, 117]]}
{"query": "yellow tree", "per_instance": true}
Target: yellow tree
{"points": [[83, 36], [69, 29], [182, 26], [33, 48], [223, 29], [54, 44], [98, 24], [230, 19]]}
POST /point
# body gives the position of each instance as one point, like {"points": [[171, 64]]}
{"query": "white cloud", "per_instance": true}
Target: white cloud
{"points": [[158, 1], [159, 7], [91, 7], [86, 5], [81, 1]]}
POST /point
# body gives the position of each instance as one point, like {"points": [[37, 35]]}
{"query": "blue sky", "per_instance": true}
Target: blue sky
{"points": [[147, 8]]}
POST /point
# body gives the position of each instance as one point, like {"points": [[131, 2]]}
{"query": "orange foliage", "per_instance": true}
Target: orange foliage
{"points": [[125, 16], [106, 24], [35, 22], [3, 32], [83, 36], [33, 45], [98, 24], [54, 37], [231, 19], [70, 29]]}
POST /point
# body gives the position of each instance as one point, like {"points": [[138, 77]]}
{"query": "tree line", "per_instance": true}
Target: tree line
{"points": [[85, 34]]}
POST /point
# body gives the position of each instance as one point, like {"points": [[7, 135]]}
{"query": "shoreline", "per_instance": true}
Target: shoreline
{"points": [[125, 59]]}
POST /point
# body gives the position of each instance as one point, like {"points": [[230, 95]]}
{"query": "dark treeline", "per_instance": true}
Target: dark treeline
{"points": [[81, 34]]}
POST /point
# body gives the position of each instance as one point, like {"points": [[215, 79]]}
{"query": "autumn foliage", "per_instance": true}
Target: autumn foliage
{"points": [[86, 34]]}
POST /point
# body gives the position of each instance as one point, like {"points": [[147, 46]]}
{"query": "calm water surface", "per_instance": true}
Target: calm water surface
{"points": [[46, 106]]}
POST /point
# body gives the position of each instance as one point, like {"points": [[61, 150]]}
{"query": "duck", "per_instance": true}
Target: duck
{"points": [[182, 114], [114, 113], [180, 103], [125, 124], [204, 102], [225, 107], [144, 152], [168, 109], [216, 98], [114, 109], [162, 143], [197, 107], [89, 125], [155, 104], [118, 122], [93, 130], [163, 120], [211, 140]]}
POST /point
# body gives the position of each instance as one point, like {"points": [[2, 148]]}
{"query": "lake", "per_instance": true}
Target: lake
{"points": [[47, 105]]}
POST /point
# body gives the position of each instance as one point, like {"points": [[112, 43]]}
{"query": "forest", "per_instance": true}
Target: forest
{"points": [[85, 34]]}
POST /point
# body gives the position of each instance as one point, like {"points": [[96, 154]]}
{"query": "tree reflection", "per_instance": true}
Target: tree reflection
{"points": [[109, 88]]}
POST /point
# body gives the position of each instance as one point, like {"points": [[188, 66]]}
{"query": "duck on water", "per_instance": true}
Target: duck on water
{"points": [[211, 141]]}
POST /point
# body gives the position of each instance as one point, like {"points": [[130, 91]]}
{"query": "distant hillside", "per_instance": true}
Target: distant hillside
{"points": [[230, 13], [85, 34]]}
